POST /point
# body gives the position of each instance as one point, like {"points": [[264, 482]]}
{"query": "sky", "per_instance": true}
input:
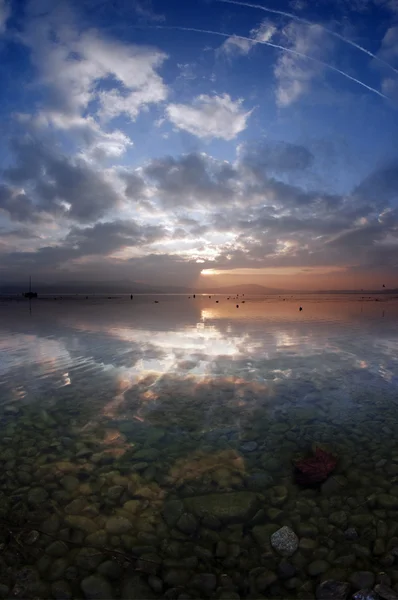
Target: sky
{"points": [[200, 142]]}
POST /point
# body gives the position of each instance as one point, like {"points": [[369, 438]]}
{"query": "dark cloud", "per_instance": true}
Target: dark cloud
{"points": [[381, 186], [268, 156], [17, 206], [271, 222], [101, 239], [190, 179], [54, 179]]}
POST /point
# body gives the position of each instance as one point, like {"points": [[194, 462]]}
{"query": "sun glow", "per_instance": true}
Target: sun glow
{"points": [[207, 272]]}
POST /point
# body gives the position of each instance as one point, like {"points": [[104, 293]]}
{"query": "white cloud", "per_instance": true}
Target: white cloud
{"points": [[295, 74], [237, 45], [210, 116], [74, 64], [5, 12], [389, 53]]}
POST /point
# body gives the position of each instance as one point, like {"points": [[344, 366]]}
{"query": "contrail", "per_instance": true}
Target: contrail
{"points": [[307, 22], [278, 46]]}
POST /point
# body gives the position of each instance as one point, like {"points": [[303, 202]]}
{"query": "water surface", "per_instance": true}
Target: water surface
{"points": [[152, 443]]}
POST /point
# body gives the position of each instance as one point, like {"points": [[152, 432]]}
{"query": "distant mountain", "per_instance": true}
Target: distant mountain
{"points": [[89, 287], [134, 287], [249, 288]]}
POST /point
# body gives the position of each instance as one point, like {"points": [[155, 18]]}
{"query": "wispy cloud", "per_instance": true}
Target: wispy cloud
{"points": [[210, 116]]}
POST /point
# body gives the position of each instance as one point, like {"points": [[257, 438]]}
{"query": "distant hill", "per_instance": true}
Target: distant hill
{"points": [[249, 288], [133, 287]]}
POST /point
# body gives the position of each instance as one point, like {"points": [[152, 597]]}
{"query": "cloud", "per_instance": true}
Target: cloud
{"points": [[192, 178], [381, 186], [75, 66], [210, 117], [17, 205], [5, 12], [62, 186], [388, 52], [235, 45], [294, 74], [267, 155]]}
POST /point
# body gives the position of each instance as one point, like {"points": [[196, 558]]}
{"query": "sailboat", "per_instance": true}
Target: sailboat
{"points": [[30, 294]]}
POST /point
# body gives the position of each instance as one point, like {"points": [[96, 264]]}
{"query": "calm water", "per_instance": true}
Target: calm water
{"points": [[146, 449]]}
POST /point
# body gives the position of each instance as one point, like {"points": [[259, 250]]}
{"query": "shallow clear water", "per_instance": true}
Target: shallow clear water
{"points": [[151, 446]]}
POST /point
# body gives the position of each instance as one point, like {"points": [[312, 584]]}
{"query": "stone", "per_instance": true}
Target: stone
{"points": [[96, 587], [204, 582], [11, 409], [362, 579], [57, 549], [285, 541], [361, 521], [387, 501], [338, 518], [307, 530], [351, 534], [265, 580], [172, 511], [262, 533], [51, 524], [155, 583], [385, 592], [69, 483], [259, 481], [110, 569], [317, 567], [98, 538], [332, 590], [176, 577], [4, 591], [365, 595], [308, 545], [187, 524], [379, 547], [231, 507], [82, 523], [249, 446], [76, 506], [135, 588], [286, 570], [61, 590], [147, 454], [118, 525], [89, 558], [221, 549], [115, 492], [37, 495], [57, 569]]}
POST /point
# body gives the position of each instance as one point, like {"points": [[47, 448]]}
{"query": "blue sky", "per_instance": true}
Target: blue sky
{"points": [[155, 141]]}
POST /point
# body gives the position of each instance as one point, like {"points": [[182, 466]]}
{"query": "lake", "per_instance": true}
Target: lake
{"points": [[149, 449]]}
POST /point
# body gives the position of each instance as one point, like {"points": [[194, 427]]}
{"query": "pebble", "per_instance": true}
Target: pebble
{"points": [[204, 582], [317, 567], [187, 524], [57, 549], [96, 587], [285, 541], [117, 525], [110, 569], [69, 483], [385, 592], [362, 580], [286, 570], [265, 580], [332, 590], [61, 590], [351, 534], [37, 495], [89, 558], [249, 446]]}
